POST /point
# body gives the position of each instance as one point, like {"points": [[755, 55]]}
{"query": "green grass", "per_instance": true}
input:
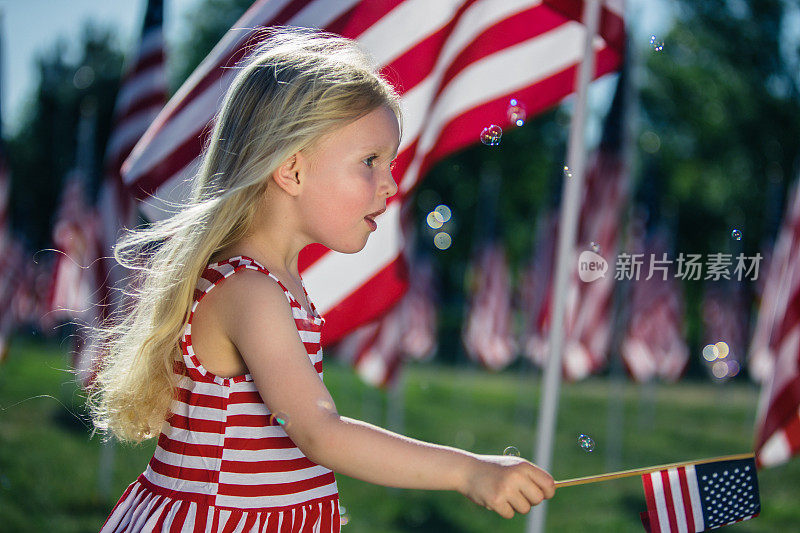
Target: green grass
{"points": [[49, 465]]}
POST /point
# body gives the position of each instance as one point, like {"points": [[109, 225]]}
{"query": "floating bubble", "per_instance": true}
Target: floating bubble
{"points": [[442, 240], [595, 247], [650, 142], [710, 352], [736, 234], [656, 44], [720, 369], [722, 349], [490, 135], [733, 368], [516, 112], [444, 212], [567, 171], [83, 77], [435, 220], [586, 442], [511, 450], [343, 518], [279, 419]]}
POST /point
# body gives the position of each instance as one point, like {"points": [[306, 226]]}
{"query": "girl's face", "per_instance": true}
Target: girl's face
{"points": [[348, 179]]}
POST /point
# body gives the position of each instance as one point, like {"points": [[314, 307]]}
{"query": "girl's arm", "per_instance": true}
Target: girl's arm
{"points": [[258, 320]]}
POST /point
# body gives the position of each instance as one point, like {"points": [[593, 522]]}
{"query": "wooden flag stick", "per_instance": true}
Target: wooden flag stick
{"points": [[647, 470]]}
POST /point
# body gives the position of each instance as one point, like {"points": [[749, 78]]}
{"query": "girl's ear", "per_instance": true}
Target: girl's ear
{"points": [[287, 176]]}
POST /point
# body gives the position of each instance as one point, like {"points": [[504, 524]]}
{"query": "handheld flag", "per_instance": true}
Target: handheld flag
{"points": [[700, 497]]}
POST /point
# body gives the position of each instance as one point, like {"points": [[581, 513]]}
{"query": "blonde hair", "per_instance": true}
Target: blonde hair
{"points": [[296, 86]]}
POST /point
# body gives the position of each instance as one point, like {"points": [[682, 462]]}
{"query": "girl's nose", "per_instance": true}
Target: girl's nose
{"points": [[390, 185]]}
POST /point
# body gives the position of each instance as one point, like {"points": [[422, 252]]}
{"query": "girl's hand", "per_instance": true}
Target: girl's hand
{"points": [[505, 484]]}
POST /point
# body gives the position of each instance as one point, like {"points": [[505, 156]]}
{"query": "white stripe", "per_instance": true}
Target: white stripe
{"points": [[776, 450], [250, 456], [677, 499], [167, 482], [335, 276], [694, 494], [194, 436], [144, 83], [661, 503], [321, 13], [189, 461]]}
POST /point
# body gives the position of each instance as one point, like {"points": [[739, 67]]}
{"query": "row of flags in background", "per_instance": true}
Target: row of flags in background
{"points": [[456, 63]]}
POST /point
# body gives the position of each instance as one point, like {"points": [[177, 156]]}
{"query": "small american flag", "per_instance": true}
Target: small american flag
{"points": [[700, 497]]}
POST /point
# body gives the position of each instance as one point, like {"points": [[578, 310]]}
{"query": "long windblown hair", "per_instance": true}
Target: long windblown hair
{"points": [[296, 86]]}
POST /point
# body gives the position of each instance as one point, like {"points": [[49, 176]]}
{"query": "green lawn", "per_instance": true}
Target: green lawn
{"points": [[49, 466]]}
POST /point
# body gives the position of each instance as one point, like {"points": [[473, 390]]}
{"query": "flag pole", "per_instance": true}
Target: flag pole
{"points": [[648, 470], [570, 205]]}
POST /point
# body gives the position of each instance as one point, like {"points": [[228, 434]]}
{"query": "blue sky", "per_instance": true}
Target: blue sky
{"points": [[32, 26]]}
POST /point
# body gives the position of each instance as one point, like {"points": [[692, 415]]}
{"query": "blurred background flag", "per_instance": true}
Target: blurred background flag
{"points": [[487, 334], [456, 64], [654, 343], [778, 423], [86, 276], [782, 278]]}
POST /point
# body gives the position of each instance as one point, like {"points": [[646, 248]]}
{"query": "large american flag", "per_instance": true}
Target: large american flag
{"points": [[778, 425], [488, 329], [456, 64], [654, 342], [700, 497]]}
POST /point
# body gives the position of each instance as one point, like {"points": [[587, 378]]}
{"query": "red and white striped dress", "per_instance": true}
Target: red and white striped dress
{"points": [[221, 464]]}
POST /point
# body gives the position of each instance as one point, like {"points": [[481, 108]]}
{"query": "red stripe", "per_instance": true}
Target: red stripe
{"points": [[201, 519], [197, 399], [673, 521], [262, 443], [182, 472], [196, 424], [650, 498], [271, 465], [792, 432], [191, 449], [687, 499], [276, 489], [152, 101]]}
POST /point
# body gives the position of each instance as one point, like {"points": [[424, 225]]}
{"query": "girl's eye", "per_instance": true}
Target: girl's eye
{"points": [[368, 161]]}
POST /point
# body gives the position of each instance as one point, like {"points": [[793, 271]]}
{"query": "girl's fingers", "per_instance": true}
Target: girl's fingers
{"points": [[543, 480], [520, 503], [533, 493]]}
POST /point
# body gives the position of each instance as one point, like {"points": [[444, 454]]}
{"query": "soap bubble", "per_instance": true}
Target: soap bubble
{"points": [[516, 112], [435, 220], [736, 234], [444, 212], [595, 247], [343, 518], [656, 44], [586, 442], [567, 171], [442, 240], [490, 135], [279, 419], [511, 450]]}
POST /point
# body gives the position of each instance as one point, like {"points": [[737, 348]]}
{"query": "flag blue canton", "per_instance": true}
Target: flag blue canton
{"points": [[728, 491]]}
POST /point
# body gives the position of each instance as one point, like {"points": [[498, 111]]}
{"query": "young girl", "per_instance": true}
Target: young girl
{"points": [[218, 354]]}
